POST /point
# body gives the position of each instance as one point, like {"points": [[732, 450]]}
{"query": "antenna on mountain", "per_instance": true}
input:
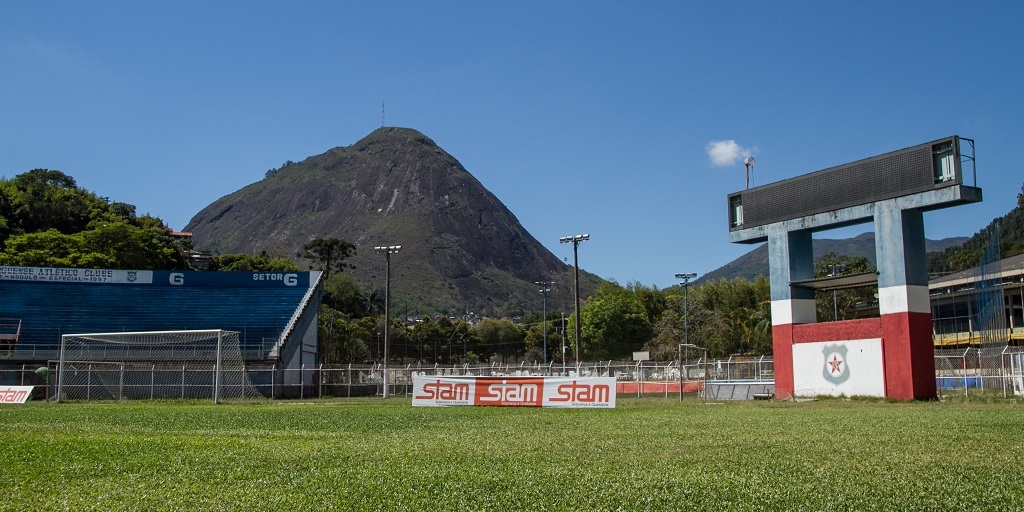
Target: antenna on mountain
{"points": [[382, 114]]}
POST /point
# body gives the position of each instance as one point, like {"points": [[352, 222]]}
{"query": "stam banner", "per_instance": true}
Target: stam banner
{"points": [[502, 391]]}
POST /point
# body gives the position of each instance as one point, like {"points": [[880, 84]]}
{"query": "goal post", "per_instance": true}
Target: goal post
{"points": [[153, 365]]}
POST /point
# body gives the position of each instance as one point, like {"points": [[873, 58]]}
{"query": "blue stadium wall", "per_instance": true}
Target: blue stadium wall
{"points": [[275, 313]]}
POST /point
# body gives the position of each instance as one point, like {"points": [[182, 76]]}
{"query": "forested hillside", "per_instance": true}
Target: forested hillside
{"points": [[968, 254], [755, 262], [46, 219]]}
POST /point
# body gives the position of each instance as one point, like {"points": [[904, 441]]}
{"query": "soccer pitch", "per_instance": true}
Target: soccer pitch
{"points": [[648, 453]]}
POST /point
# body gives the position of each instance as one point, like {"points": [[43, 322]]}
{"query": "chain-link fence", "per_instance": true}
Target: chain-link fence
{"points": [[27, 375], [966, 372], [958, 372], [972, 371], [634, 378]]}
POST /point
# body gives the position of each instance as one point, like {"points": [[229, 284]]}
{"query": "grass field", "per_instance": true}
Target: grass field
{"points": [[646, 454]]}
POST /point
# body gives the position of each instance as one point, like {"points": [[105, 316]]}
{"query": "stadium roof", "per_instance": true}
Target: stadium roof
{"points": [[1009, 267], [839, 282]]}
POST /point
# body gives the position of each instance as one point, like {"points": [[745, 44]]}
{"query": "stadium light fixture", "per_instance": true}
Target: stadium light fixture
{"points": [[387, 251], [575, 241]]}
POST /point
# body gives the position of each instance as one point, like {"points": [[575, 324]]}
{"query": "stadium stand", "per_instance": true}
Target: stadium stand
{"points": [[274, 312]]}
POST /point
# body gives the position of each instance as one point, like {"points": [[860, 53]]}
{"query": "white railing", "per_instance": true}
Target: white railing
{"points": [[299, 311]]}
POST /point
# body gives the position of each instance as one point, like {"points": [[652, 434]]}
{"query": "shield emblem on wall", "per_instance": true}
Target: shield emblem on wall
{"points": [[835, 368]]}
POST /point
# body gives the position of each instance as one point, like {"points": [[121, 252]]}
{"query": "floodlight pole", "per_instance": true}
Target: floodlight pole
{"points": [[387, 251], [544, 291], [686, 307], [575, 241], [685, 277]]}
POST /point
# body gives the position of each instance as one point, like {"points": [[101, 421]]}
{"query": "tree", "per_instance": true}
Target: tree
{"points": [[843, 303], [500, 336], [6, 212], [613, 324], [46, 219], [261, 262], [123, 211], [45, 177], [341, 339], [652, 299], [342, 293], [50, 248], [440, 341], [669, 330], [126, 246], [114, 245], [761, 329], [738, 329], [328, 253], [534, 339], [964, 259], [42, 199], [728, 317]]}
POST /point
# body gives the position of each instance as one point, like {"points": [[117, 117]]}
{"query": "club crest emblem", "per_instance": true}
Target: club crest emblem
{"points": [[132, 276], [835, 369]]}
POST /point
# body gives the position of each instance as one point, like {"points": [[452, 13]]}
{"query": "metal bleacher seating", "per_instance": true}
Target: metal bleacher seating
{"points": [[45, 311]]}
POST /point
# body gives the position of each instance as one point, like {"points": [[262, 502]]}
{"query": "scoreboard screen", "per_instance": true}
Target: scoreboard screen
{"points": [[920, 168]]}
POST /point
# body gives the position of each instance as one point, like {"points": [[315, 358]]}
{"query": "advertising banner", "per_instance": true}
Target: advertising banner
{"points": [[575, 392], [15, 394]]}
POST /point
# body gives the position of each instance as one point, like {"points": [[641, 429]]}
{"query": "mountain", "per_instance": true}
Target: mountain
{"points": [[462, 249], [755, 262]]}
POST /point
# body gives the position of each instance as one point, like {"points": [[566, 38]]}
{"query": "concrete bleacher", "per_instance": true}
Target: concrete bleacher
{"points": [[739, 390], [260, 306]]}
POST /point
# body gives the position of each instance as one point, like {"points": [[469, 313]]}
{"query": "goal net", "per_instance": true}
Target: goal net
{"points": [[197, 364]]}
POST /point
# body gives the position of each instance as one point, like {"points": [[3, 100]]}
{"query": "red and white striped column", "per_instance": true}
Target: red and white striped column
{"points": [[790, 258], [907, 348]]}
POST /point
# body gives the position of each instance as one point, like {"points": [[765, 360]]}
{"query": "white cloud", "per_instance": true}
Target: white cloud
{"points": [[727, 152]]}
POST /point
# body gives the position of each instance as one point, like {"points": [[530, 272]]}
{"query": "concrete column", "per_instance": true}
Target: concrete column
{"points": [[908, 352], [790, 258]]}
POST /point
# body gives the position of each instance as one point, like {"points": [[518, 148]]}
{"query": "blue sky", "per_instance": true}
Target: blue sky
{"points": [[582, 117]]}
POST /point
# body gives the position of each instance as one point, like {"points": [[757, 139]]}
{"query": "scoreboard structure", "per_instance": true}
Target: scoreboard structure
{"points": [[891, 355]]}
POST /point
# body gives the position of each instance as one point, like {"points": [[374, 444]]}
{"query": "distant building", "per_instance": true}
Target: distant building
{"points": [[958, 304]]}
